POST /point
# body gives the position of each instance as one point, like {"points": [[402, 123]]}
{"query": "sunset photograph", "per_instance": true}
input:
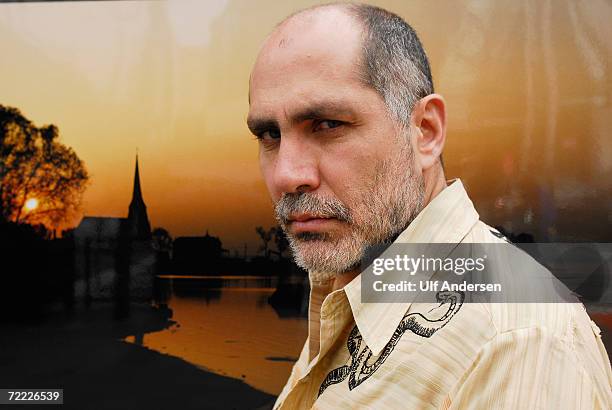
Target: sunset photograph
{"points": [[157, 255]]}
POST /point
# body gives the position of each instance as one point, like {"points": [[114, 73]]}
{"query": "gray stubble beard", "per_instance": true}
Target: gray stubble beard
{"points": [[390, 203]]}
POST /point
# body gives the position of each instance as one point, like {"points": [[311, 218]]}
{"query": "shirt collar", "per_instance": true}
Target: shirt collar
{"points": [[448, 218]]}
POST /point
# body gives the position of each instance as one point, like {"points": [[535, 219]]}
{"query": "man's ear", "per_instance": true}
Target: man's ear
{"points": [[429, 118]]}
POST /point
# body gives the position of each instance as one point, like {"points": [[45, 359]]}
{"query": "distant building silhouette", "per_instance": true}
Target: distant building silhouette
{"points": [[114, 256], [197, 253], [101, 231]]}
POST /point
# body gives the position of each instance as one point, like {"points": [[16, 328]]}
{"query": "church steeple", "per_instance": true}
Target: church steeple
{"points": [[136, 192], [138, 220]]}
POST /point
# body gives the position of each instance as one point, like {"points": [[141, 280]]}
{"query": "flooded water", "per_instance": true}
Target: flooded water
{"points": [[225, 325]]}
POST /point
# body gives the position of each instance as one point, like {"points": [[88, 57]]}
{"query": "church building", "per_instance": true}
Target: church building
{"points": [[103, 231], [115, 254]]}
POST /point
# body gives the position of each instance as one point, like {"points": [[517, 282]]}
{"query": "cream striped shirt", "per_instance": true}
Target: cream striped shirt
{"points": [[483, 356]]}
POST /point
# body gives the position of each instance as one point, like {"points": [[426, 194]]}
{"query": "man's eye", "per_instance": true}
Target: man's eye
{"points": [[327, 124], [269, 135]]}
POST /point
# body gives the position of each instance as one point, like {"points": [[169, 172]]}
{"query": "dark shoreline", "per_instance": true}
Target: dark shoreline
{"points": [[86, 356]]}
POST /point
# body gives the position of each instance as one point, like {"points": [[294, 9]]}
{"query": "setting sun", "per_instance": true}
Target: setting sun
{"points": [[31, 204]]}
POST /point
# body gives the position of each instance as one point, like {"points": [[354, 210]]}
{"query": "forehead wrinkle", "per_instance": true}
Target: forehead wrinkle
{"points": [[315, 20], [286, 39], [291, 39], [339, 108]]}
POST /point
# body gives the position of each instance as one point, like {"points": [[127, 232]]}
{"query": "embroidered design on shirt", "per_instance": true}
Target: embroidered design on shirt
{"points": [[360, 369]]}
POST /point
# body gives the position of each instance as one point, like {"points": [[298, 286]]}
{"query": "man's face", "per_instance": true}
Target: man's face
{"points": [[340, 171]]}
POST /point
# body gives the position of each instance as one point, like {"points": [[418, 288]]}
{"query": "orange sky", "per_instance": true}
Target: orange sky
{"points": [[170, 78]]}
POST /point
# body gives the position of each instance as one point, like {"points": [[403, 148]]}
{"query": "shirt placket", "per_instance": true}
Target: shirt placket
{"points": [[335, 314]]}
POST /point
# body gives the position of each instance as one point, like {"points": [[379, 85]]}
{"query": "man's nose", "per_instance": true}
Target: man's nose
{"points": [[296, 167]]}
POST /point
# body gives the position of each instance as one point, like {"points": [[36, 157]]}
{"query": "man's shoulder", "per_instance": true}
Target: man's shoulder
{"points": [[556, 318], [492, 320], [553, 346], [506, 317]]}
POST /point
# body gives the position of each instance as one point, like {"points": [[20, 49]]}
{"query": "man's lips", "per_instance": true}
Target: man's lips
{"points": [[308, 223]]}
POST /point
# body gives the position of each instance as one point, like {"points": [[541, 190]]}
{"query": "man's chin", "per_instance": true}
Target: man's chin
{"points": [[324, 256]]}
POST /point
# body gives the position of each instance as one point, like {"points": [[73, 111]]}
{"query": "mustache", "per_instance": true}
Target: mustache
{"points": [[303, 202]]}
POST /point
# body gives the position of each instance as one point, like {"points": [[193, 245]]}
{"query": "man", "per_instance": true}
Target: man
{"points": [[351, 136]]}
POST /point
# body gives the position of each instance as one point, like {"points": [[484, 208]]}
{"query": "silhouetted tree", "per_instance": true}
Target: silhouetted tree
{"points": [[280, 240], [162, 241], [266, 237], [162, 244], [276, 235], [35, 166]]}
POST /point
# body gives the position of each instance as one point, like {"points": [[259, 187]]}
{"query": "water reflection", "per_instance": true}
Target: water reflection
{"points": [[226, 325]]}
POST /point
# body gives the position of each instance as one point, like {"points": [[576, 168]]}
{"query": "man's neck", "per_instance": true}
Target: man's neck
{"points": [[435, 182], [342, 279]]}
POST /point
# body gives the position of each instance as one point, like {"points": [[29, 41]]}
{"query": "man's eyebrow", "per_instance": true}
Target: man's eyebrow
{"points": [[317, 111], [258, 125], [324, 110]]}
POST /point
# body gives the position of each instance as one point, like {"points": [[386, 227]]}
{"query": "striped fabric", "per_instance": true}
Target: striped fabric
{"points": [[480, 356]]}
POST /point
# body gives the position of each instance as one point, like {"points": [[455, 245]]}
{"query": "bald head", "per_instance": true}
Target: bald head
{"points": [[386, 52], [325, 39], [330, 15]]}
